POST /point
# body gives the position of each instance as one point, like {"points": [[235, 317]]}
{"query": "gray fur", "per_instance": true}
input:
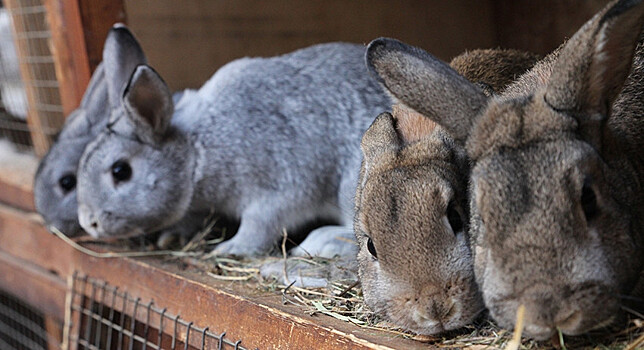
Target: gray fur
{"points": [[58, 206], [271, 141], [573, 122]]}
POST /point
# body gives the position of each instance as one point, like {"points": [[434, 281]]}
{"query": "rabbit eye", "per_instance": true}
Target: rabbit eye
{"points": [[67, 182], [589, 201], [454, 218], [371, 248], [121, 171]]}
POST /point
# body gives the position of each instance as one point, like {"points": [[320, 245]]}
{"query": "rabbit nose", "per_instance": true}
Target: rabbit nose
{"points": [[88, 220], [588, 308], [435, 315], [555, 307], [427, 319]]}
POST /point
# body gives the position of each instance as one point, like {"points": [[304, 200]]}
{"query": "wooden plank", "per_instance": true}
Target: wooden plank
{"points": [[186, 41], [258, 318], [97, 17], [54, 328], [68, 50], [43, 290], [79, 29], [23, 236], [16, 195], [16, 179], [541, 26]]}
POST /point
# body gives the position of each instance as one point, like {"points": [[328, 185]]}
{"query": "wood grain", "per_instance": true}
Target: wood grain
{"points": [[256, 317], [187, 41], [79, 29]]}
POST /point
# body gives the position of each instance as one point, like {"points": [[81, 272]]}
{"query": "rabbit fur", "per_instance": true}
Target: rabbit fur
{"points": [[411, 209], [55, 179], [556, 196], [273, 142]]}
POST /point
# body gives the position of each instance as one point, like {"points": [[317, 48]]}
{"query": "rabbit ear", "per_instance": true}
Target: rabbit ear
{"points": [[95, 87], [411, 125], [148, 102], [426, 84], [594, 64], [380, 138], [95, 102], [121, 54], [93, 111]]}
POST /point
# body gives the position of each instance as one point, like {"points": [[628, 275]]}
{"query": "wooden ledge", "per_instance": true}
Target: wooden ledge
{"points": [[36, 266], [17, 172], [258, 318]]}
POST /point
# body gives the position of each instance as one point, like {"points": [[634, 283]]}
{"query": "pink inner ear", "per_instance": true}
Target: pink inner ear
{"points": [[411, 125], [147, 105]]}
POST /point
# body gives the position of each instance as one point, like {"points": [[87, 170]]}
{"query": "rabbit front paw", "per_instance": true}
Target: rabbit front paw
{"points": [[328, 242], [238, 248]]}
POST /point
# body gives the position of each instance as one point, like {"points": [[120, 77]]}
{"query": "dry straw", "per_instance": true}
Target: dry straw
{"points": [[343, 300]]}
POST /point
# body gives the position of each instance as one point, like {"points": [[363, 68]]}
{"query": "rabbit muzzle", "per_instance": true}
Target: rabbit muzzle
{"points": [[70, 228], [574, 309], [103, 224], [88, 221], [432, 309]]}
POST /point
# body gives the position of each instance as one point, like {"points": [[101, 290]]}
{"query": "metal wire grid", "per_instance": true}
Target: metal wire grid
{"points": [[107, 318], [31, 77], [22, 327]]}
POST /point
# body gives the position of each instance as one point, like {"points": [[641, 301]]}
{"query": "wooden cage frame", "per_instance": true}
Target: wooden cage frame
{"points": [[38, 267]]}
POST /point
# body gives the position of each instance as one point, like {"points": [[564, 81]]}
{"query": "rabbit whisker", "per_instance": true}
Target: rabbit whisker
{"points": [[630, 297], [633, 312]]}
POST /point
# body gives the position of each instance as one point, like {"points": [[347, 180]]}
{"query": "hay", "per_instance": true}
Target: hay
{"points": [[342, 299]]}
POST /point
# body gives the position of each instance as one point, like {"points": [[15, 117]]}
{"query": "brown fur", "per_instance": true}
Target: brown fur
{"points": [[411, 125], [508, 66], [412, 171], [557, 198]]}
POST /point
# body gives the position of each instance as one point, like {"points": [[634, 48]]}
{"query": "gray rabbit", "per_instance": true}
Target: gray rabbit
{"points": [[556, 200], [273, 142], [55, 181], [411, 218]]}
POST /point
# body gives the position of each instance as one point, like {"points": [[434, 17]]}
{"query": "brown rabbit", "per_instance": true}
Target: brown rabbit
{"points": [[556, 199], [411, 210]]}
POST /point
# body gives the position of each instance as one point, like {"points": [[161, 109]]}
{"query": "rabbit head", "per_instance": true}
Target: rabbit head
{"points": [[411, 222], [120, 177], [55, 181], [56, 178], [411, 208], [556, 196], [136, 176]]}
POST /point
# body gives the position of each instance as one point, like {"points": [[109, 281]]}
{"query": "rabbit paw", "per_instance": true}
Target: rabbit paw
{"points": [[310, 274], [328, 242], [169, 239], [236, 248], [296, 273]]}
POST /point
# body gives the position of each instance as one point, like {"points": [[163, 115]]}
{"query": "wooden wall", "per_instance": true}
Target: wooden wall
{"points": [[540, 26], [186, 41]]}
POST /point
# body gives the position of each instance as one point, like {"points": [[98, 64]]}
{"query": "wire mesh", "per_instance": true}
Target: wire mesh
{"points": [[22, 327], [103, 317], [30, 108]]}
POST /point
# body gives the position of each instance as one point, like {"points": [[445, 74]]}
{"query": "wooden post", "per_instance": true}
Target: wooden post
{"points": [[54, 329], [67, 55], [79, 29]]}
